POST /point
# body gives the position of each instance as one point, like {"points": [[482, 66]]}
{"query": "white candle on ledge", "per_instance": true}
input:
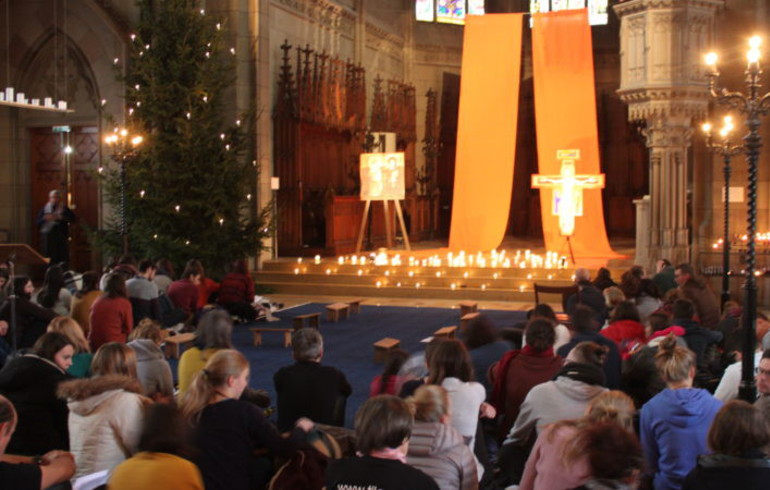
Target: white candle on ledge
{"points": [[9, 94], [48, 102], [62, 105]]}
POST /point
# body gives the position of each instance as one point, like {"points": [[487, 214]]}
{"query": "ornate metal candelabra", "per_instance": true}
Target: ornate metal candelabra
{"points": [[753, 106], [726, 150], [124, 147]]}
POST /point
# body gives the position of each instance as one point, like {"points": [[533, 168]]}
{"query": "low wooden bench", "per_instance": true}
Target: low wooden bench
{"points": [[446, 332], [355, 306], [465, 320], [383, 346], [468, 307], [174, 343], [257, 332], [313, 320], [336, 311]]}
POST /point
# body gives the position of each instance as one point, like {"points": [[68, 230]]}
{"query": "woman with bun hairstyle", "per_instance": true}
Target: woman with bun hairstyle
{"points": [[228, 431], [674, 423], [558, 460], [436, 447]]}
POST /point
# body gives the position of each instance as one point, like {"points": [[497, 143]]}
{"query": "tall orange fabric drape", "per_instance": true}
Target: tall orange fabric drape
{"points": [[565, 114], [486, 131]]}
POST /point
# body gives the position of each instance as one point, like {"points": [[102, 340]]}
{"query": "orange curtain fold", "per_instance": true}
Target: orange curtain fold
{"points": [[565, 113], [486, 131]]}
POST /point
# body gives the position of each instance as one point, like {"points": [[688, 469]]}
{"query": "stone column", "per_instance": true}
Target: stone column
{"points": [[662, 43]]}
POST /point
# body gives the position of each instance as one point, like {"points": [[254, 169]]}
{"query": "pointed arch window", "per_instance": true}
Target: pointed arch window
{"points": [[597, 9], [447, 11]]}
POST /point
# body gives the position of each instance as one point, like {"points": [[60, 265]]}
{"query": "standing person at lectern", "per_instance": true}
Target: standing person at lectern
{"points": [[53, 222]]}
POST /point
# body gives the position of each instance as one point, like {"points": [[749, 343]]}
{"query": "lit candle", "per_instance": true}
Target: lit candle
{"points": [[328, 271], [296, 271], [360, 272], [711, 62], [299, 260], [48, 102], [753, 54], [483, 287], [411, 274]]}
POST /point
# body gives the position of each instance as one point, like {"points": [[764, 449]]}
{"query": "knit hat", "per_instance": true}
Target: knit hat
{"points": [[585, 373]]}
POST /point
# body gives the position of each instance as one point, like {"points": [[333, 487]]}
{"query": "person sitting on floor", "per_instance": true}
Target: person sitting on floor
{"points": [[698, 291], [588, 295], [31, 318], [520, 370], [308, 389], [143, 293], [214, 332], [485, 347], [563, 334], [586, 330], [389, 382], [53, 295], [83, 300], [112, 318], [738, 437], [30, 383], [29, 472], [547, 466], [435, 447], [383, 426], [184, 292], [81, 361], [236, 292], [106, 411], [229, 431], [625, 329], [152, 368], [163, 457], [698, 338]]}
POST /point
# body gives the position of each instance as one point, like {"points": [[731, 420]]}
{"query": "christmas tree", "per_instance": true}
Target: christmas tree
{"points": [[189, 186]]}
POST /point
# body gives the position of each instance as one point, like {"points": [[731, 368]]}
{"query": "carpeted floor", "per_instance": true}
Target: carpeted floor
{"points": [[348, 343]]}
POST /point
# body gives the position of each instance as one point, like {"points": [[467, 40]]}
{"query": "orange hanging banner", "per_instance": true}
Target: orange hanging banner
{"points": [[565, 114], [486, 131]]}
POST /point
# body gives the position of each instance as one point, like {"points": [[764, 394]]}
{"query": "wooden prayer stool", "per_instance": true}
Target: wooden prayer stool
{"points": [[355, 306], [313, 320], [173, 343], [445, 332], [336, 311], [468, 307], [466, 320], [257, 332], [383, 346]]}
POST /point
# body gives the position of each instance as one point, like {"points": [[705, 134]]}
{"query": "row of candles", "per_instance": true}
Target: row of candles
{"points": [[762, 239], [520, 259], [10, 95], [439, 274]]}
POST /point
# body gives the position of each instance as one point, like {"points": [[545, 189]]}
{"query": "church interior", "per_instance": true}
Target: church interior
{"points": [[524, 213]]}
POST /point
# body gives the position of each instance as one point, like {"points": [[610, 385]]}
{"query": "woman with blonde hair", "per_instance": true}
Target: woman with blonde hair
{"points": [[81, 361], [228, 431], [674, 423], [559, 460], [436, 447], [106, 411], [152, 368]]}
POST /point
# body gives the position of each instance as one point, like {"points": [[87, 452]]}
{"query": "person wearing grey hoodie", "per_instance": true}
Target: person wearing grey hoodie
{"points": [[566, 397], [435, 447], [152, 369]]}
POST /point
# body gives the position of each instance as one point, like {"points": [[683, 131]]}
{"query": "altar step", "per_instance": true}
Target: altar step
{"points": [[328, 277]]}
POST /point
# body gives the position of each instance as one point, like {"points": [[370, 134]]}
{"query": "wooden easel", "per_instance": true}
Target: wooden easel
{"points": [[388, 234]]}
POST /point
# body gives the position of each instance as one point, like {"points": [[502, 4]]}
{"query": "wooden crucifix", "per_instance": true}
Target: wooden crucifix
{"points": [[568, 189]]}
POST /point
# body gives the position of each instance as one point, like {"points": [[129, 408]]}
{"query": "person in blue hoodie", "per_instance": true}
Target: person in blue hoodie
{"points": [[674, 424]]}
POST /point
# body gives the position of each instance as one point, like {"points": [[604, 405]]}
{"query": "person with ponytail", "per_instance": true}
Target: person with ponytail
{"points": [[389, 382], [559, 459], [674, 423], [228, 431], [53, 295]]}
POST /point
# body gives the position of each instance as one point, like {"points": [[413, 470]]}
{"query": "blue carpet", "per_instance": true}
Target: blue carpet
{"points": [[348, 343]]}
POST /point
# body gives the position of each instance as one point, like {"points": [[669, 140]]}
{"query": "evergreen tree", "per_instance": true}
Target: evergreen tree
{"points": [[189, 186]]}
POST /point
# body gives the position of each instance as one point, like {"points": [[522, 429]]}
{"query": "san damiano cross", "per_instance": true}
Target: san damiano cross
{"points": [[568, 190]]}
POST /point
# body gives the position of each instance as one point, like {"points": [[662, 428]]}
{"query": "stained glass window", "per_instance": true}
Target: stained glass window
{"points": [[597, 9], [447, 11]]}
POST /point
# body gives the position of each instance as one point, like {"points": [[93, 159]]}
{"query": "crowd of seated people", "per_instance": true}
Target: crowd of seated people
{"points": [[636, 390]]}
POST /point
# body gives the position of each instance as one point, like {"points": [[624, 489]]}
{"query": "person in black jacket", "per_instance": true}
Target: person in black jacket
{"points": [[737, 438], [308, 389], [31, 319], [30, 383], [585, 330], [588, 295]]}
